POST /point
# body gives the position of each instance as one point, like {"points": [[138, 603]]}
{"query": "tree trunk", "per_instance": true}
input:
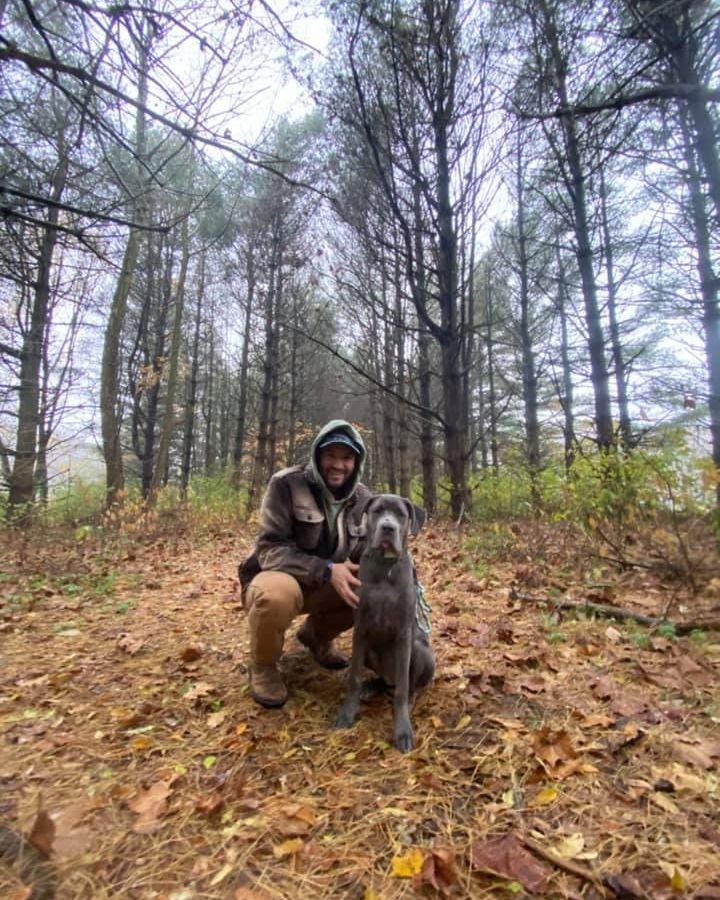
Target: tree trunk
{"points": [[191, 389], [168, 423], [110, 401], [244, 369], [529, 375], [626, 432], [566, 394], [261, 454], [21, 481], [596, 341], [709, 283], [490, 352], [427, 439]]}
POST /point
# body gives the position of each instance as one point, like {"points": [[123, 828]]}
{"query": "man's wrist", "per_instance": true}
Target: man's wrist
{"points": [[327, 573]]}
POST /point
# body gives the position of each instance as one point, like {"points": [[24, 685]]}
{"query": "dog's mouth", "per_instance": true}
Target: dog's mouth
{"points": [[388, 549]]}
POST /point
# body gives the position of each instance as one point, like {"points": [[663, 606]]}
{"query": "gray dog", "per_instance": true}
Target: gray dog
{"points": [[386, 637]]}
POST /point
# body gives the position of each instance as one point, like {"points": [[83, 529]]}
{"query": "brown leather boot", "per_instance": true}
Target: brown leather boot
{"points": [[267, 686], [323, 652]]}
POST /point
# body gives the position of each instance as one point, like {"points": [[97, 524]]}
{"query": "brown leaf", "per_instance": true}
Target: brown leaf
{"points": [[129, 644], [553, 749], [201, 689], [151, 806], [210, 804], [604, 688], [288, 848], [629, 705], [695, 752], [507, 857], [192, 653], [439, 871], [42, 835]]}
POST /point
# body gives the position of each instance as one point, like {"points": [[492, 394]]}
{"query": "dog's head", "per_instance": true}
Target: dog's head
{"points": [[389, 520]]}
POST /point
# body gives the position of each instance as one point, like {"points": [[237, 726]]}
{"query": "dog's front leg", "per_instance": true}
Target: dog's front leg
{"points": [[403, 737], [347, 712]]}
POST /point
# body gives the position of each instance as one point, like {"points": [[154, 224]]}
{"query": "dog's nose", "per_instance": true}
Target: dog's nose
{"points": [[387, 527]]}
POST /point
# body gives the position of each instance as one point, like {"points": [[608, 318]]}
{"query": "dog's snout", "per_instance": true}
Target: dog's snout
{"points": [[388, 526]]}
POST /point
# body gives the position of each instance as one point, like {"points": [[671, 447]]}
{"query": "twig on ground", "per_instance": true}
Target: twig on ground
{"points": [[566, 865], [617, 612]]}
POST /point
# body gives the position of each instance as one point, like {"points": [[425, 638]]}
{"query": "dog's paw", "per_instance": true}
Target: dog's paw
{"points": [[345, 719], [404, 740]]}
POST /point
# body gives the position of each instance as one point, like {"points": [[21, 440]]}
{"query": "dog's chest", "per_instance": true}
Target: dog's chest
{"points": [[386, 605]]}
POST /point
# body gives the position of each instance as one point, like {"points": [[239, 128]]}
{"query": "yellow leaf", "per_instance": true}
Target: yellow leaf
{"points": [[677, 882], [408, 865], [370, 894], [349, 757], [288, 848], [436, 722], [222, 874], [665, 802], [394, 811], [141, 743], [216, 718], [570, 846], [463, 722], [546, 796], [241, 728]]}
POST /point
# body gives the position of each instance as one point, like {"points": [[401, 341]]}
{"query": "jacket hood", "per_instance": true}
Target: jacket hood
{"points": [[314, 469]]}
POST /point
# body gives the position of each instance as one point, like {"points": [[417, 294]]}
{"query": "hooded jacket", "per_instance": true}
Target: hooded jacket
{"points": [[302, 525]]}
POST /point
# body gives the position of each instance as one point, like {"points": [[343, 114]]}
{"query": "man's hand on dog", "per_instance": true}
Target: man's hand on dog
{"points": [[343, 579]]}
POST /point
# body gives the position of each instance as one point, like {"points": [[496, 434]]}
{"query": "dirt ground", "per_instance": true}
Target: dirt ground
{"points": [[557, 756]]}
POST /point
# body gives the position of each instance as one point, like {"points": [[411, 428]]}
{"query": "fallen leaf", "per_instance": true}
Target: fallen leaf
{"points": [[222, 874], [288, 848], [439, 870], [665, 802], [42, 834], [545, 797], [151, 806], [217, 718], [408, 865], [210, 804], [192, 653], [201, 689], [507, 857], [570, 847], [130, 644]]}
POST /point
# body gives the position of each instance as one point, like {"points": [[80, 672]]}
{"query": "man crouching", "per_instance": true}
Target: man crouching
{"points": [[305, 558]]}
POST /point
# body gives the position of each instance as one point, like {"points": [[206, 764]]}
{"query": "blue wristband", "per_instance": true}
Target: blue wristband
{"points": [[327, 574]]}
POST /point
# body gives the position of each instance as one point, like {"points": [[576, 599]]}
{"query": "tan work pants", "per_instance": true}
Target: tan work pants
{"points": [[273, 599]]}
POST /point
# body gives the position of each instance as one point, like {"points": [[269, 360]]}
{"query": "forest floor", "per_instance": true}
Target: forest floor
{"points": [[557, 756]]}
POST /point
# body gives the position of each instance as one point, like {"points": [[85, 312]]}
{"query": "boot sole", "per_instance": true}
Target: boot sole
{"points": [[268, 703]]}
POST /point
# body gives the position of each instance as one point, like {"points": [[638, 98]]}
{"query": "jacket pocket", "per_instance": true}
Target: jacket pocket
{"points": [[308, 526]]}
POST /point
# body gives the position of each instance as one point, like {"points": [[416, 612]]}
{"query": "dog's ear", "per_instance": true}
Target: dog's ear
{"points": [[361, 509], [417, 517]]}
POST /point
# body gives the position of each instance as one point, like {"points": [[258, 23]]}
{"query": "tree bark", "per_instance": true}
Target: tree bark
{"points": [[168, 423], [626, 432], [529, 375], [709, 284], [244, 371], [110, 402], [21, 481], [596, 339]]}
